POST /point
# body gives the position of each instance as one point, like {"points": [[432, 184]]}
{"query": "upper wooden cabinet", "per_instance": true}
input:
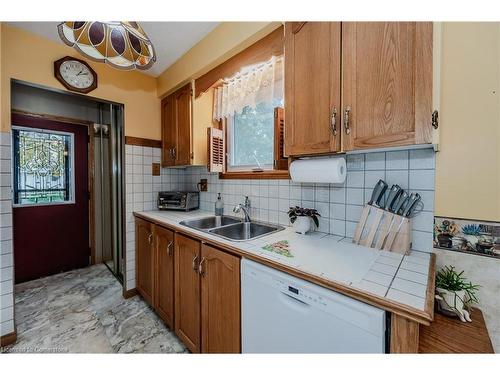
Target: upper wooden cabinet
{"points": [[386, 84], [382, 96], [176, 127], [312, 87], [168, 131]]}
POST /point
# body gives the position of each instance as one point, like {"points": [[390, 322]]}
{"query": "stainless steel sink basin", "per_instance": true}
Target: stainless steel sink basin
{"points": [[231, 228], [245, 231], [210, 222]]}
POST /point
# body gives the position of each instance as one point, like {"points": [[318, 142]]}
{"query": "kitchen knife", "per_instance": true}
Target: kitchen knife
{"points": [[401, 201], [408, 210], [410, 206], [393, 195], [395, 199], [377, 194]]}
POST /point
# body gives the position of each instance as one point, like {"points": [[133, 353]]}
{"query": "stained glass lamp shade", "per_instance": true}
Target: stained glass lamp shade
{"points": [[123, 45]]}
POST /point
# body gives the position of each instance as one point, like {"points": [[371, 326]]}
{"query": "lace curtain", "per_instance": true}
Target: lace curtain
{"points": [[254, 84]]}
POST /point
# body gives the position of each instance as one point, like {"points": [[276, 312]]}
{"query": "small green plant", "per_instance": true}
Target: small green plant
{"points": [[296, 211], [449, 279]]}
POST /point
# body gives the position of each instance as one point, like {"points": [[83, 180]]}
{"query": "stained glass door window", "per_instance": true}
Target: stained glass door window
{"points": [[43, 166]]}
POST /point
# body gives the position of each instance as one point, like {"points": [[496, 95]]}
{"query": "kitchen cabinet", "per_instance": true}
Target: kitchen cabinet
{"points": [[168, 131], [312, 87], [164, 262], [386, 84], [187, 292], [382, 96], [207, 297], [144, 259], [220, 301], [176, 112]]}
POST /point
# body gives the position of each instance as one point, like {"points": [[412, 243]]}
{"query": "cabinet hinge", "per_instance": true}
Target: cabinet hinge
{"points": [[435, 119]]}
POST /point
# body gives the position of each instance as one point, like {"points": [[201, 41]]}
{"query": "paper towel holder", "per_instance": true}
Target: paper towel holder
{"points": [[325, 169]]}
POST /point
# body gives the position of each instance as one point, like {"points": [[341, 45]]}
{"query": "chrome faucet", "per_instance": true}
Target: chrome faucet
{"points": [[245, 207]]}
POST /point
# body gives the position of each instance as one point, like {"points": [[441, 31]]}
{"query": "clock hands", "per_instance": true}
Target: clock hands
{"points": [[81, 73]]}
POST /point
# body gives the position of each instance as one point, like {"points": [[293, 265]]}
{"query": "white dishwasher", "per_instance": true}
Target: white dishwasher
{"points": [[283, 314]]}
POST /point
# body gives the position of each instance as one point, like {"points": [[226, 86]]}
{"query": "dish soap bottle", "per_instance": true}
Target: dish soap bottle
{"points": [[219, 206]]}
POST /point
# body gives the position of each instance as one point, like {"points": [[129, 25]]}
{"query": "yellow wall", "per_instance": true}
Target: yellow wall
{"points": [[223, 42], [28, 57], [468, 164]]}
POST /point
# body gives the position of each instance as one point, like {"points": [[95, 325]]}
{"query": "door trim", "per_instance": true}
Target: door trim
{"points": [[90, 165]]}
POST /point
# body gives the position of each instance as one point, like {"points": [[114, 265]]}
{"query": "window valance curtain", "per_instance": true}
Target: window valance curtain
{"points": [[254, 84]]}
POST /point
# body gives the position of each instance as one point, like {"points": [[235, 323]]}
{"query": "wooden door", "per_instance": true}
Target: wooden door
{"points": [[312, 87], [164, 296], [187, 291], [182, 151], [144, 259], [386, 84], [220, 301], [168, 131]]}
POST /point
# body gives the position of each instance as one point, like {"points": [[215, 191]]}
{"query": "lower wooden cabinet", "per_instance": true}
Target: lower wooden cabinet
{"points": [[193, 287], [220, 301], [187, 292], [164, 287], [155, 268], [144, 259]]}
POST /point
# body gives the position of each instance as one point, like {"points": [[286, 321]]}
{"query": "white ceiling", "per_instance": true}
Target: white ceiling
{"points": [[170, 39]]}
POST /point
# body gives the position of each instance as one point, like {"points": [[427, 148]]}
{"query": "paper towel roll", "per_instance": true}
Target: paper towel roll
{"points": [[321, 170]]}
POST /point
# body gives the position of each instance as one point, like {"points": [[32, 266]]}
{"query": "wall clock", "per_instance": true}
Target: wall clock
{"points": [[75, 74]]}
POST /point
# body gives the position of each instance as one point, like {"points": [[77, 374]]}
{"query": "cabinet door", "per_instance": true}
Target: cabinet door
{"points": [[312, 87], [168, 131], [144, 259], [164, 296], [220, 301], [386, 84], [182, 151], [187, 291]]}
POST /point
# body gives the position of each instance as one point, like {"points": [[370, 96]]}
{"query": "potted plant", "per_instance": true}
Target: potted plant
{"points": [[454, 293], [301, 218]]}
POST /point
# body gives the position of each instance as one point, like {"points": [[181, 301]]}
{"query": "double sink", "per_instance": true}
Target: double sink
{"points": [[231, 228]]}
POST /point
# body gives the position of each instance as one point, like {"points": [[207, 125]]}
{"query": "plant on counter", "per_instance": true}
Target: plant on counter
{"points": [[454, 293], [301, 218]]}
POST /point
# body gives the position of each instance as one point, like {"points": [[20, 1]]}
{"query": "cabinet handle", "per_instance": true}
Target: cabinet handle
{"points": [[169, 248], [333, 121], [174, 152], [347, 111], [170, 153], [150, 238], [195, 266], [200, 267]]}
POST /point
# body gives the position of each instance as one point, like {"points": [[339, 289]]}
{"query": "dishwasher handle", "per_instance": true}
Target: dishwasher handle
{"points": [[295, 302]]}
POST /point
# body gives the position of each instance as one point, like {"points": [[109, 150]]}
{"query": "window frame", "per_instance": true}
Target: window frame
{"points": [[70, 167]]}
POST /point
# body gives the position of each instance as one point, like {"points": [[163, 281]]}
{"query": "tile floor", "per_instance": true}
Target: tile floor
{"points": [[83, 311]]}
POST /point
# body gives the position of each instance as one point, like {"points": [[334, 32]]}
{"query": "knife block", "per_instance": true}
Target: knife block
{"points": [[383, 230]]}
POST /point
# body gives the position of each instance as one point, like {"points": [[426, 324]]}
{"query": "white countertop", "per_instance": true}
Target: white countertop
{"points": [[398, 278]]}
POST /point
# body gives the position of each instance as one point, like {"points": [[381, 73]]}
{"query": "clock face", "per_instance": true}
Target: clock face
{"points": [[76, 74]]}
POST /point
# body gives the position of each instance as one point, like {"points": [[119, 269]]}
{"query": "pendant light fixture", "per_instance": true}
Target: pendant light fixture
{"points": [[123, 45]]}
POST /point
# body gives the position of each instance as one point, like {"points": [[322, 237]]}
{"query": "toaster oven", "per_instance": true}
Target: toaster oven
{"points": [[178, 200]]}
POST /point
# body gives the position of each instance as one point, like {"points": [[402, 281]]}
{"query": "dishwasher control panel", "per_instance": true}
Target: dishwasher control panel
{"points": [[300, 293]]}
